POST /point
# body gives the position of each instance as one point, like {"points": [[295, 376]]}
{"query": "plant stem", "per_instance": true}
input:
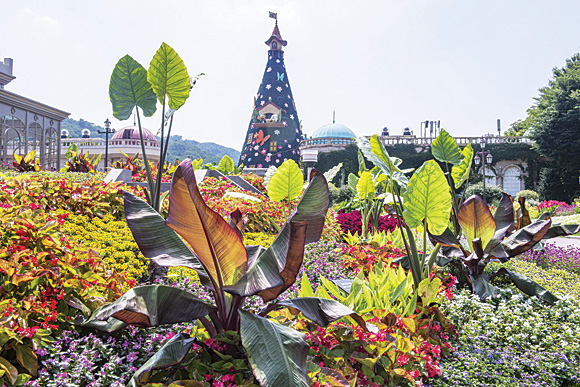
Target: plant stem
{"points": [[146, 162], [160, 163], [208, 326]]}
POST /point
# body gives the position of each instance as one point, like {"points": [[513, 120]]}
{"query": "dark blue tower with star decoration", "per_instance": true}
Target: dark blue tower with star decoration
{"points": [[274, 133]]}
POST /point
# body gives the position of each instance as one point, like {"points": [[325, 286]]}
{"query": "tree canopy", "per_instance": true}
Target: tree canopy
{"points": [[553, 122]]}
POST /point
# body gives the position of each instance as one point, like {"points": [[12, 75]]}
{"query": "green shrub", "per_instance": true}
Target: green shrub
{"points": [[493, 192], [528, 194]]}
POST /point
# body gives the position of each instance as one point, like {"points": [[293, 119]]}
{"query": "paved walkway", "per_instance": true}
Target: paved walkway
{"points": [[565, 241]]}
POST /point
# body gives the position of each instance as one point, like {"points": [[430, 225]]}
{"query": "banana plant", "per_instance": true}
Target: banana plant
{"points": [[132, 87], [231, 272], [496, 237]]}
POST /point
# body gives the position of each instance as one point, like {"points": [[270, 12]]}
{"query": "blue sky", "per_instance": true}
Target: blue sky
{"points": [[378, 63]]}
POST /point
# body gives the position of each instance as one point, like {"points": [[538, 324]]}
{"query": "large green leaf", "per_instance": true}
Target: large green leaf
{"points": [[460, 172], [168, 77], [428, 198], [172, 353], [352, 182], [375, 151], [476, 220], [331, 173], [276, 353], [322, 311], [521, 240], [313, 206], [365, 187], [155, 239], [154, 305], [129, 88], [217, 245], [226, 165], [286, 183], [274, 269], [445, 149]]}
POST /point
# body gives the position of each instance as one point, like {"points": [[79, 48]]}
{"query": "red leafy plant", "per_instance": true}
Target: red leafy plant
{"points": [[46, 281], [231, 272]]}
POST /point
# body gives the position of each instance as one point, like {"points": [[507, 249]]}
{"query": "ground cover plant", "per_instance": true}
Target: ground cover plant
{"points": [[512, 341]]}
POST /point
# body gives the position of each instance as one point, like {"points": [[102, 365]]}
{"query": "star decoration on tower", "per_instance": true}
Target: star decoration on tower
{"points": [[269, 69], [291, 116], [268, 86], [279, 89]]}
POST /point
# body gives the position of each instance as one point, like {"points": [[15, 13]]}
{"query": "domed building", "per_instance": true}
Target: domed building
{"points": [[125, 141], [327, 138]]}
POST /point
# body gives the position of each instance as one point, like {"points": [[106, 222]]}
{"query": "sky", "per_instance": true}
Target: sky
{"points": [[377, 63]]}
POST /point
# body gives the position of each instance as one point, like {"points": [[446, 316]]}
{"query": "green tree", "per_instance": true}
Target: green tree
{"points": [[554, 125]]}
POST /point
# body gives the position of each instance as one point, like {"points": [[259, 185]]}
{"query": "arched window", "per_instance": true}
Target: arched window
{"points": [[274, 45], [51, 153], [34, 139], [512, 180], [11, 138]]}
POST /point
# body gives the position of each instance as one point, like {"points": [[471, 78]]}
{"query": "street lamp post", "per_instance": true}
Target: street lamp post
{"points": [[484, 157], [107, 131]]}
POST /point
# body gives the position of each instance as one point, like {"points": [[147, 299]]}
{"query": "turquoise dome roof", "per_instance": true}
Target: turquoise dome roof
{"points": [[333, 130]]}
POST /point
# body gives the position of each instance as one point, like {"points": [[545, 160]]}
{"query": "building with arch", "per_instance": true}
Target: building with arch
{"points": [[27, 125], [125, 141]]}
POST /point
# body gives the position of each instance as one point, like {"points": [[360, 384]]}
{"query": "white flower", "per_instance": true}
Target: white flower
{"points": [[268, 86], [269, 69], [279, 89]]}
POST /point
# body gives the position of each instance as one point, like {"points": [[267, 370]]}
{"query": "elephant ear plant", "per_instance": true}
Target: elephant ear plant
{"points": [[232, 272], [496, 237]]}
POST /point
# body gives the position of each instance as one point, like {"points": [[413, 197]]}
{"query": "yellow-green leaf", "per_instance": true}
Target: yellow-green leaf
{"points": [[428, 199], [286, 183], [460, 172], [365, 187], [168, 77]]}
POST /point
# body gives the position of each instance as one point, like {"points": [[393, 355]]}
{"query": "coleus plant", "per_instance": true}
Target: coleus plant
{"points": [[496, 237], [232, 272], [77, 161], [26, 163]]}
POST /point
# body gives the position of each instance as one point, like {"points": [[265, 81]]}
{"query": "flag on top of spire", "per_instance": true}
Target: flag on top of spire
{"points": [[274, 15]]}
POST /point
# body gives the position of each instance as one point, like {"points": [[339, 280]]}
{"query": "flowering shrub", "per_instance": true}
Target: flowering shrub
{"points": [[256, 181], [258, 238], [95, 360], [113, 240], [365, 257], [322, 259], [72, 176], [552, 206], [46, 279], [513, 341], [402, 352], [91, 197], [352, 222], [555, 257]]}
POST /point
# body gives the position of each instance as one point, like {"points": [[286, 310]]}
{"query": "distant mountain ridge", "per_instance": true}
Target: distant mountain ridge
{"points": [[179, 148]]}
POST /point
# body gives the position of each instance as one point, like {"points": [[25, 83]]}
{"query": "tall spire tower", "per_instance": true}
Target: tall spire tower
{"points": [[274, 133]]}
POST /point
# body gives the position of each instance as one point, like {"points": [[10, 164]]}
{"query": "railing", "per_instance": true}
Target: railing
{"points": [[327, 141], [394, 140], [91, 143]]}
